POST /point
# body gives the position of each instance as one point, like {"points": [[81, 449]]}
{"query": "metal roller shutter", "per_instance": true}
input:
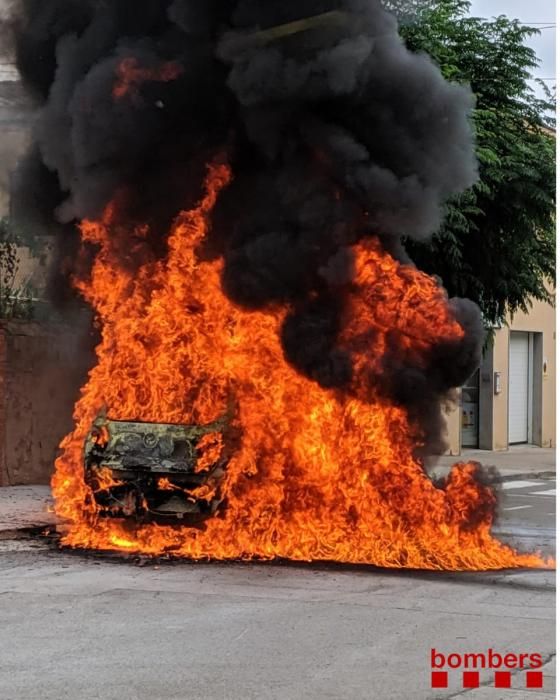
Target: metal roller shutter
{"points": [[518, 387]]}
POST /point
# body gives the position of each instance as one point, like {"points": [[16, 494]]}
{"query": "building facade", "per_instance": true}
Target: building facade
{"points": [[15, 133], [511, 398]]}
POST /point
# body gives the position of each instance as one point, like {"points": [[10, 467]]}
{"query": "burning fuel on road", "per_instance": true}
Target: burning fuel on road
{"points": [[243, 174]]}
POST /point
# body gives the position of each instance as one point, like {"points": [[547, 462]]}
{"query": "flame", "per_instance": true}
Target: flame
{"points": [[319, 475], [209, 450], [130, 76], [100, 436], [165, 485], [104, 479]]}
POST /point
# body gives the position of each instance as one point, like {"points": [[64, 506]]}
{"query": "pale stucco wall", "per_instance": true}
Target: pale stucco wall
{"points": [[493, 429], [32, 270], [542, 319], [452, 417], [14, 139], [500, 350]]}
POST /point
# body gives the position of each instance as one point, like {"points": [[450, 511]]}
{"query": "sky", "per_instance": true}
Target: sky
{"points": [[535, 12]]}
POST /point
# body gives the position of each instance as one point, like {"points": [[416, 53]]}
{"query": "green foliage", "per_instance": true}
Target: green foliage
{"points": [[407, 10], [497, 244]]}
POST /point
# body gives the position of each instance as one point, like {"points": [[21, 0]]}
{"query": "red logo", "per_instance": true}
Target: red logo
{"points": [[470, 665]]}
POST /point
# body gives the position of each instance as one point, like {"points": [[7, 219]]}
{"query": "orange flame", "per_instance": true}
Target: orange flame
{"points": [[130, 76], [165, 485], [209, 449], [104, 479], [318, 474], [100, 436]]}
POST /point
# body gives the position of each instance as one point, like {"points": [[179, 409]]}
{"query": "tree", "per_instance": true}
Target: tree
{"points": [[407, 10], [497, 243]]}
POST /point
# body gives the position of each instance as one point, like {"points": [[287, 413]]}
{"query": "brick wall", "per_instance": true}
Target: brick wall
{"points": [[42, 368]]}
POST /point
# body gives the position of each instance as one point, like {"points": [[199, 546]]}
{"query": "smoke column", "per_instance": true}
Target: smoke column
{"points": [[334, 132]]}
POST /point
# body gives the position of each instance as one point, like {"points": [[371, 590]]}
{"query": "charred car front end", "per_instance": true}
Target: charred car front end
{"points": [[157, 471]]}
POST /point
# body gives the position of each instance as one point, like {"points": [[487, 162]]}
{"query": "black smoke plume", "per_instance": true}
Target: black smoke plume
{"points": [[333, 129]]}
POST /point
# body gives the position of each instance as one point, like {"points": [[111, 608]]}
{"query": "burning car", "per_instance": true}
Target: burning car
{"points": [[157, 471]]}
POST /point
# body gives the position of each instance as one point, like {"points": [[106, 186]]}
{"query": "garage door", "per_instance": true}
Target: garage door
{"points": [[518, 387]]}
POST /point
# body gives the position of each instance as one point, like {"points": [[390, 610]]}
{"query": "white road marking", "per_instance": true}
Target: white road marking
{"points": [[517, 507], [552, 492], [519, 484]]}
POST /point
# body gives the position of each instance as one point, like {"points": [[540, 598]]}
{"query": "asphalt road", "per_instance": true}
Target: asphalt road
{"points": [[528, 502], [83, 627], [77, 626], [527, 513]]}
